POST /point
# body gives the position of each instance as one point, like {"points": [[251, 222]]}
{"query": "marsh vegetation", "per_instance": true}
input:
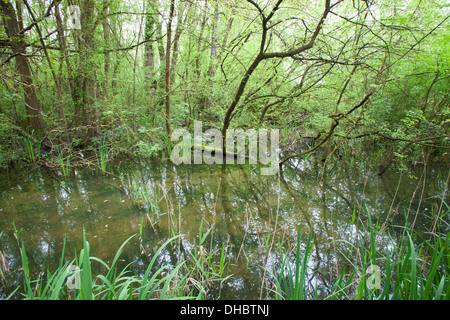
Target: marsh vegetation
{"points": [[358, 90]]}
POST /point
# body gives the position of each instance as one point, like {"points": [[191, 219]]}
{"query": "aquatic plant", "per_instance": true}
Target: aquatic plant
{"points": [[28, 146], [409, 271], [290, 280], [4, 267], [146, 195], [188, 278], [29, 151], [64, 162], [202, 264], [168, 143], [76, 280], [103, 156]]}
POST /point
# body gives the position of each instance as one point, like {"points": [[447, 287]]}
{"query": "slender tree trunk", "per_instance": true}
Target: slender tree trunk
{"points": [[57, 80], [62, 44], [178, 32], [106, 37], [214, 41], [168, 51], [148, 47], [226, 34], [200, 38], [33, 109], [160, 83], [161, 52], [187, 99], [115, 63], [208, 99], [88, 64], [134, 72]]}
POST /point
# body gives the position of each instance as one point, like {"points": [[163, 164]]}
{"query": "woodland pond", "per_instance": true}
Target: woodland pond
{"points": [[94, 94], [248, 214]]}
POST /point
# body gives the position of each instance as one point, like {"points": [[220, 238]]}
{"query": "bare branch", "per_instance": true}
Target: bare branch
{"points": [[47, 13], [309, 45]]}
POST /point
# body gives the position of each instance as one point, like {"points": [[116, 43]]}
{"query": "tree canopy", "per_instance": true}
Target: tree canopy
{"points": [[369, 75]]}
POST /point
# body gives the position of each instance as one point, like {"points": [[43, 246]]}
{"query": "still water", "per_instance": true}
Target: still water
{"points": [[243, 209]]}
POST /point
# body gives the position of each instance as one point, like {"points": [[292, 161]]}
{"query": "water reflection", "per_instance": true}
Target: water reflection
{"points": [[244, 208]]}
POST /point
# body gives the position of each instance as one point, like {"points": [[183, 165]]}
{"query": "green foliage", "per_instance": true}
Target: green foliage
{"points": [[127, 100], [76, 279], [113, 284], [103, 155], [147, 150], [410, 271], [28, 146], [290, 279], [8, 143], [64, 162]]}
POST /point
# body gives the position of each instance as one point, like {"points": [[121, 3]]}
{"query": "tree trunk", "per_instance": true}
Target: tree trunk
{"points": [[200, 38], [178, 32], [19, 50], [161, 52], [263, 55], [207, 100], [226, 34], [88, 91], [160, 87], [62, 114], [214, 41], [106, 33], [148, 47], [169, 46], [62, 45]]}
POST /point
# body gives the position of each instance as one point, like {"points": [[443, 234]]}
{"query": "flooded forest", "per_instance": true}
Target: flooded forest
{"points": [[224, 150]]}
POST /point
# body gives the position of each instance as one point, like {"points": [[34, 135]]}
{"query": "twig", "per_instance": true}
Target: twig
{"points": [[274, 232], [442, 202]]}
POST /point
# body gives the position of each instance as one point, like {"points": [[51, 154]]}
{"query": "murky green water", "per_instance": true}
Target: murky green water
{"points": [[243, 207]]}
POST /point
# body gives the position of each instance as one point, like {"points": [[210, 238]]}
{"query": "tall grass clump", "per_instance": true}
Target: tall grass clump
{"points": [[147, 196], [64, 162], [4, 267], [204, 268], [411, 268], [76, 280], [168, 143], [290, 281], [28, 147], [87, 277], [103, 156]]}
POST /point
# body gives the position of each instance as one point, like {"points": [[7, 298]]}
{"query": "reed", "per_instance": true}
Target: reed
{"points": [[147, 196], [412, 269], [29, 149], [167, 282], [189, 278], [64, 162], [206, 264], [168, 143], [4, 268], [408, 271], [103, 156], [290, 280], [31, 155]]}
